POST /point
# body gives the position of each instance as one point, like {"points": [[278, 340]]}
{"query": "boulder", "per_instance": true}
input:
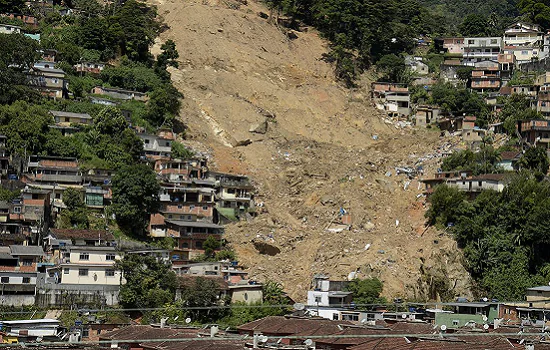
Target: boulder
{"points": [[260, 128]]}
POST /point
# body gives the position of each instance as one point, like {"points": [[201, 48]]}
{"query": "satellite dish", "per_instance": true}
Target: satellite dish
{"points": [[263, 339], [188, 320], [403, 316], [299, 306], [486, 326], [443, 327], [364, 321], [484, 318], [308, 342]]}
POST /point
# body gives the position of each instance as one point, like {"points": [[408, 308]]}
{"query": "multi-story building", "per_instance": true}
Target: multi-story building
{"points": [[524, 41], [485, 79], [89, 67], [156, 147], [18, 274], [481, 49], [9, 29], [48, 81], [535, 132]]}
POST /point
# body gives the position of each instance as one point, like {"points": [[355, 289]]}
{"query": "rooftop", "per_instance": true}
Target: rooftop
{"points": [[82, 234], [26, 250], [70, 114]]}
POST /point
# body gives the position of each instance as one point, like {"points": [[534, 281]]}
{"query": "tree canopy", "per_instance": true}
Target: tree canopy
{"points": [[504, 235], [135, 197]]}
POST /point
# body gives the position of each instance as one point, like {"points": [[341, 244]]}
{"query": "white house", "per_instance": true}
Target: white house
{"points": [[481, 49], [93, 265], [9, 29]]}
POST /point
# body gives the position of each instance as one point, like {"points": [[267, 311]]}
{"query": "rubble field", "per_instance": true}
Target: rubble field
{"points": [[259, 100]]}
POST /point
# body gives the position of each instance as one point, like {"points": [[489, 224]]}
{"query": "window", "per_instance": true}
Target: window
{"points": [[524, 52], [26, 280], [493, 41], [317, 299], [205, 207], [17, 210], [184, 245], [27, 262], [66, 271], [85, 332], [479, 183], [456, 322], [83, 272], [335, 316], [110, 273], [470, 42], [198, 245], [84, 256], [110, 257], [5, 280]]}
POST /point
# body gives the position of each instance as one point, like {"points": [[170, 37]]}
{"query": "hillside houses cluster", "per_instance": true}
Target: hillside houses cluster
{"points": [[195, 204], [491, 63]]}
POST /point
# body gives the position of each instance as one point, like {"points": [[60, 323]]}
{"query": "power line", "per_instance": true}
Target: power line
{"points": [[355, 307]]}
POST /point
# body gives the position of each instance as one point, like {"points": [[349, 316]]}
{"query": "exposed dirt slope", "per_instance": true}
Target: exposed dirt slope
{"points": [[318, 155]]}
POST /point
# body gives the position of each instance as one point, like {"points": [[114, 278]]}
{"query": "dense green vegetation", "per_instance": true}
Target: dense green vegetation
{"points": [[504, 236], [485, 161]]}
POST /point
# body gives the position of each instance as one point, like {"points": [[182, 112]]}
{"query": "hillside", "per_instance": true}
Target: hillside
{"points": [[326, 148]]}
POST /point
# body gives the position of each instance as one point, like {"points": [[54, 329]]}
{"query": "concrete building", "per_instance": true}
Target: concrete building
{"points": [[481, 49]]}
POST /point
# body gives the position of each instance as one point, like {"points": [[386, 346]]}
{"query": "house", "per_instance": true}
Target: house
{"points": [[506, 64], [523, 54], [32, 330], [485, 79], [4, 157], [426, 115], [18, 274], [120, 94], [97, 186], [31, 211], [468, 313], [49, 55], [190, 237], [277, 326], [524, 41], [441, 177], [416, 65], [48, 81], [84, 275], [178, 170], [391, 97], [103, 101], [543, 100], [30, 21], [234, 195], [53, 174], [475, 184], [59, 238], [131, 337], [9, 29], [156, 147], [452, 45], [481, 49], [328, 296], [508, 160], [535, 132], [527, 90], [89, 67], [66, 118]]}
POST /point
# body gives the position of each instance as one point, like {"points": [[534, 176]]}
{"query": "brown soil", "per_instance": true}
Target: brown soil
{"points": [[318, 155]]}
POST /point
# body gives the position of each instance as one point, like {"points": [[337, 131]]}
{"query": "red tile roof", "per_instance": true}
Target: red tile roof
{"points": [[198, 344], [283, 325]]}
